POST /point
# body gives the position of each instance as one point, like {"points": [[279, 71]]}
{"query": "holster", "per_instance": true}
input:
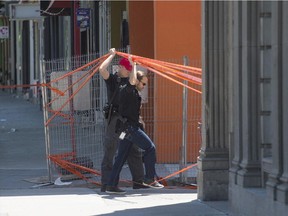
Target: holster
{"points": [[121, 124]]}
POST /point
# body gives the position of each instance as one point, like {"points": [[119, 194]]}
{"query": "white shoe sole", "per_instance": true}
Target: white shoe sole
{"points": [[151, 186], [114, 192]]}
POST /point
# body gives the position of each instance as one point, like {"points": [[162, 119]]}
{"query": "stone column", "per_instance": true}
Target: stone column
{"points": [[245, 168], [249, 173], [236, 150], [213, 161], [277, 183], [283, 187], [265, 15]]}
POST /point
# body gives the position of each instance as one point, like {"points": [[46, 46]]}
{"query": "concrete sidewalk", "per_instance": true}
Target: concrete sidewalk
{"points": [[22, 149], [85, 201]]}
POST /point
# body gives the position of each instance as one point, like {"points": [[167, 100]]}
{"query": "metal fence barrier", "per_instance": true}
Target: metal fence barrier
{"points": [[171, 113]]}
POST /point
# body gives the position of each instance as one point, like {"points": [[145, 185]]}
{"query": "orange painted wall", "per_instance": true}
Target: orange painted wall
{"points": [[177, 33], [141, 36], [141, 28], [177, 29], [169, 30]]}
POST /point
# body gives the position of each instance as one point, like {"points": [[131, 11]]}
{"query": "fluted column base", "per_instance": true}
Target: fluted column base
{"points": [[213, 179], [249, 177]]}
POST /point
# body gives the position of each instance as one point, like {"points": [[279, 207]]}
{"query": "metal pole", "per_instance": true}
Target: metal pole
{"points": [[44, 97], [12, 55], [183, 176], [72, 29], [128, 49]]}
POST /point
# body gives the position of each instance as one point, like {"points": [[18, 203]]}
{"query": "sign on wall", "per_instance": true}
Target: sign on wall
{"points": [[83, 17], [4, 32]]}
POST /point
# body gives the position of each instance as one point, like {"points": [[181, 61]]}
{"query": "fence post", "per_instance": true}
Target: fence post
{"points": [[44, 98], [128, 49], [45, 113], [183, 175]]}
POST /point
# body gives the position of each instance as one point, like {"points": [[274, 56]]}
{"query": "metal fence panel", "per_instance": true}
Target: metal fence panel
{"points": [[76, 127]]}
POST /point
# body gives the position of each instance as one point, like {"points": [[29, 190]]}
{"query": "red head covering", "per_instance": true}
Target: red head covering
{"points": [[125, 63]]}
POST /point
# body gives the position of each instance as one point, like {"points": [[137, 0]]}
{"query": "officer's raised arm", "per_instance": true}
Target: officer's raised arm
{"points": [[133, 75], [103, 67]]}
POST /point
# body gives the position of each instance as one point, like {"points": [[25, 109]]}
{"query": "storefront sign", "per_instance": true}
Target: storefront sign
{"points": [[24, 11]]}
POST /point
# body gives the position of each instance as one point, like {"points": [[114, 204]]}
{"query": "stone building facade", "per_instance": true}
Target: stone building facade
{"points": [[244, 154]]}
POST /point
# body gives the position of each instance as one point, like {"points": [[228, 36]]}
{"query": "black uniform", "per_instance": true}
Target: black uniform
{"points": [[111, 139]]}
